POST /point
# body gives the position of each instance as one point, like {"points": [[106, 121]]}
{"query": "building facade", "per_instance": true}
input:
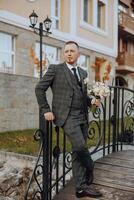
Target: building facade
{"points": [[86, 21], [91, 23], [125, 59]]}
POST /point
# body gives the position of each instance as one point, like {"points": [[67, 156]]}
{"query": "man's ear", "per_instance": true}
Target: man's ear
{"points": [[78, 54]]}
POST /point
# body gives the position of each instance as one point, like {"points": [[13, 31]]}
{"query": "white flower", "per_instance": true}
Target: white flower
{"points": [[99, 89], [86, 81], [96, 90]]}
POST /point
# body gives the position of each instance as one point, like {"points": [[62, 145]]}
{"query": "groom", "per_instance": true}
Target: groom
{"points": [[70, 111]]}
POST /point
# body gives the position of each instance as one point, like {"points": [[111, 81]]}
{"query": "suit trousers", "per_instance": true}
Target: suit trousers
{"points": [[81, 160]]}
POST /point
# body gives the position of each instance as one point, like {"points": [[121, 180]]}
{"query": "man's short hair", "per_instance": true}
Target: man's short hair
{"points": [[72, 42]]}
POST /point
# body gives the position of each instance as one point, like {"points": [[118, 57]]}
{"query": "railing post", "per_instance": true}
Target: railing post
{"points": [[44, 126], [122, 116], [45, 158], [114, 119]]}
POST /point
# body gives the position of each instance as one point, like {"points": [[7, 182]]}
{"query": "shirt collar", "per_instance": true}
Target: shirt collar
{"points": [[71, 66]]}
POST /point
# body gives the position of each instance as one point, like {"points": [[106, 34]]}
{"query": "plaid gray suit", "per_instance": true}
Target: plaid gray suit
{"points": [[58, 78], [69, 106]]}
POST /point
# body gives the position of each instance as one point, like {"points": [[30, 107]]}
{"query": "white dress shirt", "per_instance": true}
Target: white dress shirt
{"points": [[70, 68]]}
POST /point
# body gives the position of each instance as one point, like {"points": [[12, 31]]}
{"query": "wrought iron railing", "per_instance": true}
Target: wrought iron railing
{"points": [[107, 128]]}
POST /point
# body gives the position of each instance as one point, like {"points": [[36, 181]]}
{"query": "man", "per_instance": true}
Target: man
{"points": [[69, 111]]}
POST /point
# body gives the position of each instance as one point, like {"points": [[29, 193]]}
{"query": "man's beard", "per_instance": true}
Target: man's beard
{"points": [[71, 62]]}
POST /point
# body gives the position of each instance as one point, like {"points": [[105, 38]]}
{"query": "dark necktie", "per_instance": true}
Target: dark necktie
{"points": [[75, 74]]}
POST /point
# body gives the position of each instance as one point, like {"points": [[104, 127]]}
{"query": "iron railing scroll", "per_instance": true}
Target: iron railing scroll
{"points": [[111, 121], [53, 166]]}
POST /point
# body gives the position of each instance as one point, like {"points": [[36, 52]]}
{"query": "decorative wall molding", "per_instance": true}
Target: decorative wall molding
{"points": [[13, 19]]}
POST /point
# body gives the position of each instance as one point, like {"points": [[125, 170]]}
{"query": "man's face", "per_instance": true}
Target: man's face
{"points": [[71, 53]]}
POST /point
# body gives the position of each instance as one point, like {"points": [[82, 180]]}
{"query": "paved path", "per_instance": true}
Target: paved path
{"points": [[114, 177]]}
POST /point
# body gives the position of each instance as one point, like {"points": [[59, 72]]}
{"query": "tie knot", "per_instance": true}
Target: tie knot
{"points": [[74, 69]]}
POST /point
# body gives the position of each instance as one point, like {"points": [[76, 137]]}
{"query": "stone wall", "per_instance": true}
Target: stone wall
{"points": [[18, 105], [15, 173]]}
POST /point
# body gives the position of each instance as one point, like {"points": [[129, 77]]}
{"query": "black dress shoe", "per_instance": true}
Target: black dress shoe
{"points": [[88, 193]]}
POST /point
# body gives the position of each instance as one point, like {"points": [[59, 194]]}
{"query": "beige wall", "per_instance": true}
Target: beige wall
{"points": [[41, 7], [94, 36], [65, 16], [25, 8]]}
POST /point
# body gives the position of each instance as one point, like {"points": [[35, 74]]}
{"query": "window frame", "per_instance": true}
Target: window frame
{"points": [[89, 16], [44, 51], [87, 60], [93, 27], [56, 19], [11, 53], [100, 14]]}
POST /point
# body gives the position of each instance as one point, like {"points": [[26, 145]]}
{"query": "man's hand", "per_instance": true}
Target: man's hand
{"points": [[49, 116], [97, 102]]}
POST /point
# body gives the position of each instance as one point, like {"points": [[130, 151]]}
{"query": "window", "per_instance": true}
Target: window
{"points": [[94, 15], [120, 81], [50, 55], [83, 61], [55, 10], [101, 15], [87, 11], [6, 53]]}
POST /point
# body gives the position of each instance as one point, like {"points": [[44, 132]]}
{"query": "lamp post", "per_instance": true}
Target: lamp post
{"points": [[43, 125], [47, 25]]}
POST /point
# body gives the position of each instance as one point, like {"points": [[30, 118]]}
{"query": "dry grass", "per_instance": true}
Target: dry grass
{"points": [[19, 142]]}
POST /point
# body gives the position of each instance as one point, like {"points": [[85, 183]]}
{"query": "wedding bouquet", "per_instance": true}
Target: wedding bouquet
{"points": [[99, 91]]}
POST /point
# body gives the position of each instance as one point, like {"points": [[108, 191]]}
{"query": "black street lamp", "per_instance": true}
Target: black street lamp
{"points": [[47, 25], [43, 125]]}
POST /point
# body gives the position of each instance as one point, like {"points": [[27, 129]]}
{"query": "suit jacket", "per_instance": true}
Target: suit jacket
{"points": [[58, 78]]}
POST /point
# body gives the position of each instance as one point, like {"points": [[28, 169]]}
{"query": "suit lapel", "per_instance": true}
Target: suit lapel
{"points": [[70, 78], [81, 78], [81, 74], [67, 75]]}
